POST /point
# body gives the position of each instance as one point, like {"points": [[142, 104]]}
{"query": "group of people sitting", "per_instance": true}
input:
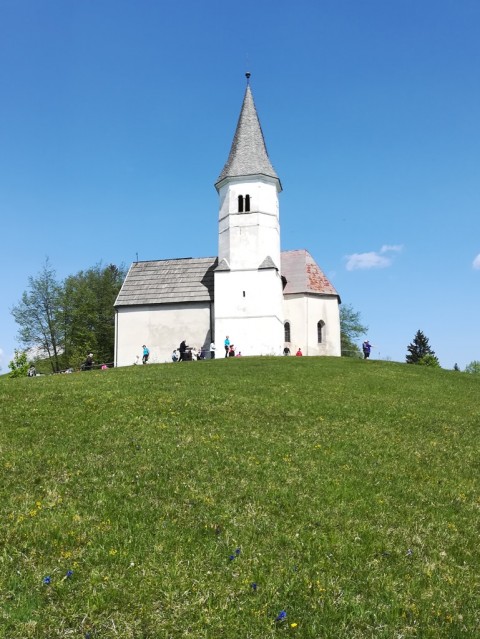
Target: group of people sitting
{"points": [[186, 353]]}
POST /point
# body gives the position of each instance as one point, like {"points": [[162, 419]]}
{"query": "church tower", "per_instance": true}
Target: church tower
{"points": [[248, 284]]}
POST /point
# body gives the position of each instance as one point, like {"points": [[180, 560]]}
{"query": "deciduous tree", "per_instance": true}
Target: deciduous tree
{"points": [[38, 315], [351, 328]]}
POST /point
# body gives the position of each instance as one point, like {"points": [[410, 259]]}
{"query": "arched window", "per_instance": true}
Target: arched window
{"points": [[286, 327], [240, 203], [320, 331], [247, 204]]}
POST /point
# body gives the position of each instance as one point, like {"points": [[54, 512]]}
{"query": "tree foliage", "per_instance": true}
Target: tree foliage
{"points": [[19, 365], [351, 328], [64, 321], [473, 368], [418, 351], [38, 315]]}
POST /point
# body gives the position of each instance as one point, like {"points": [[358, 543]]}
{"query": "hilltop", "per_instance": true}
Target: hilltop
{"points": [[205, 499]]}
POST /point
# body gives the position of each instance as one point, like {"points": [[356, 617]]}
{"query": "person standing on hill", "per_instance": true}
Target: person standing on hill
{"points": [[88, 365], [299, 352], [227, 346], [366, 348], [146, 354]]}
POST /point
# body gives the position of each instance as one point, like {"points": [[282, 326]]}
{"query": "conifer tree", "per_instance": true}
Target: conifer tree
{"points": [[418, 349]]}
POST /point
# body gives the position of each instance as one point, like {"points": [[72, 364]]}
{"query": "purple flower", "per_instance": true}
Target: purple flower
{"points": [[254, 586], [237, 551], [281, 615], [46, 580], [69, 574], [232, 557]]}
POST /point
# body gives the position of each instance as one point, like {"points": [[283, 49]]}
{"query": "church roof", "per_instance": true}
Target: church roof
{"points": [[248, 155], [303, 274], [168, 282], [191, 279]]}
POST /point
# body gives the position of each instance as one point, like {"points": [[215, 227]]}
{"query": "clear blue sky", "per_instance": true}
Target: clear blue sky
{"points": [[116, 118]]}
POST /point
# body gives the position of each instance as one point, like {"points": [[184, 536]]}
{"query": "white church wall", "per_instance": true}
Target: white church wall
{"points": [[161, 328], [249, 309], [303, 312]]}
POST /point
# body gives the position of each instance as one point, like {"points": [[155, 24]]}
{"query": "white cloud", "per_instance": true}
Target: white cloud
{"points": [[366, 260], [373, 259], [476, 262], [387, 248]]}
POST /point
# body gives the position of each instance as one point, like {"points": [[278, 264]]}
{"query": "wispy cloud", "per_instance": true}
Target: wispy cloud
{"points": [[476, 262], [373, 259]]}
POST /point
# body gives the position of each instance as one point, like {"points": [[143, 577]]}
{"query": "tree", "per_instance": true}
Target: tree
{"points": [[38, 315], [19, 364], [88, 315], [418, 349], [429, 360], [473, 368], [350, 329]]}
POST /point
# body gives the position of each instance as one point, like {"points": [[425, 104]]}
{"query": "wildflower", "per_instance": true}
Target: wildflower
{"points": [[46, 580], [232, 557], [409, 552], [112, 552], [69, 574], [237, 551], [281, 615], [254, 586], [293, 625]]}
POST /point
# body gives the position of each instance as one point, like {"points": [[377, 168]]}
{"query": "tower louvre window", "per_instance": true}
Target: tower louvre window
{"points": [[240, 203], [320, 331], [286, 327], [247, 204]]}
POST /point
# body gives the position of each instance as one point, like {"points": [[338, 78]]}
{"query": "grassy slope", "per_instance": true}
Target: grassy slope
{"points": [[350, 489]]}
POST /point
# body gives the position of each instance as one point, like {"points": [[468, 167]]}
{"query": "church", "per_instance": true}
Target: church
{"points": [[264, 299]]}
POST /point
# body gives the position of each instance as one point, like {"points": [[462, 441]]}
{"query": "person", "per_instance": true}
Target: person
{"points": [[286, 351], [146, 354], [366, 348], [182, 348], [299, 352], [32, 371], [212, 350], [103, 367], [231, 351], [88, 365], [227, 345], [175, 355]]}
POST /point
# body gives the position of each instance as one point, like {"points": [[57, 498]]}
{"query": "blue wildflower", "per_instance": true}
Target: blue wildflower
{"points": [[69, 574], [254, 586], [46, 580], [281, 615], [237, 551], [232, 557]]}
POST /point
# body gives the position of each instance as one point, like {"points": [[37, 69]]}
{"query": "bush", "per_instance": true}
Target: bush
{"points": [[19, 364]]}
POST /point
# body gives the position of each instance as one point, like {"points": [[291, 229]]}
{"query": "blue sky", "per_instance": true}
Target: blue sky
{"points": [[116, 118]]}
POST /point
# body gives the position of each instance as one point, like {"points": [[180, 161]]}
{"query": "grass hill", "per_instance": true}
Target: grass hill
{"points": [[249, 498]]}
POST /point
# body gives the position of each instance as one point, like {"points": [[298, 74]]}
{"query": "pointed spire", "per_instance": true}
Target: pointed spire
{"points": [[248, 155]]}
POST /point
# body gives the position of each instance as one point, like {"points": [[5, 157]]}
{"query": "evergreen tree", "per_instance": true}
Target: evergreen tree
{"points": [[418, 349]]}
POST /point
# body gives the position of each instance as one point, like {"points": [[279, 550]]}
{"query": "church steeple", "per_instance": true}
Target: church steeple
{"points": [[248, 154]]}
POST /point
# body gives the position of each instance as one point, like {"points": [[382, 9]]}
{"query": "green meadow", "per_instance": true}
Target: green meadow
{"points": [[245, 498]]}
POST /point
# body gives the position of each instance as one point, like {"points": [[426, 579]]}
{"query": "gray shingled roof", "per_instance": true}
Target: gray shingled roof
{"points": [[303, 274], [191, 279], [168, 281], [248, 155]]}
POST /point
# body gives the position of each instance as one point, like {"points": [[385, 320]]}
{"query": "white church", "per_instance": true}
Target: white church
{"points": [[262, 298]]}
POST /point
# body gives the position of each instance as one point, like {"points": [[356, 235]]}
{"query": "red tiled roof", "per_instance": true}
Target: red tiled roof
{"points": [[303, 274]]}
